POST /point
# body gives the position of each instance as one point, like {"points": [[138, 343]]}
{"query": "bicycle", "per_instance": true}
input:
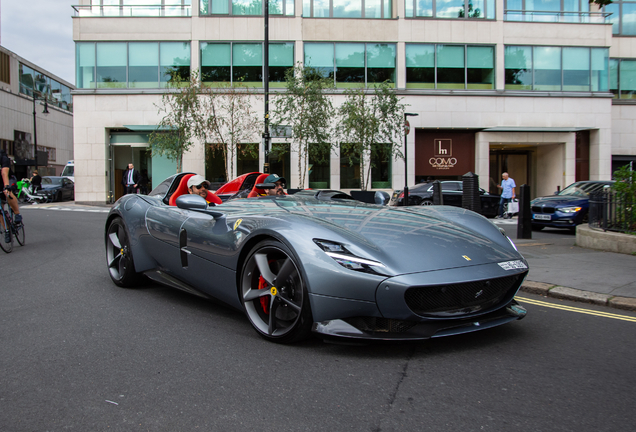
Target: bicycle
{"points": [[12, 228], [26, 195]]}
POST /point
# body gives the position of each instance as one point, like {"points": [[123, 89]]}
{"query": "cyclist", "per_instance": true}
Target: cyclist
{"points": [[7, 191]]}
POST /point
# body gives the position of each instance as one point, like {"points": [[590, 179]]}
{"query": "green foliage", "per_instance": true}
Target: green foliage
{"points": [[181, 122], [308, 111], [229, 121], [625, 188], [367, 119]]}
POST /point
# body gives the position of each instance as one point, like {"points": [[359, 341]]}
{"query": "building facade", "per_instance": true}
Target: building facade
{"points": [[541, 89], [21, 84]]}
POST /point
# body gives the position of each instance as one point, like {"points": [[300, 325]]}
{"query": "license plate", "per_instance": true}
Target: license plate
{"points": [[542, 217]]}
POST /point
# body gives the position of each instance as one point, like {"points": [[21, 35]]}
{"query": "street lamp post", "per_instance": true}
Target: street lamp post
{"points": [[266, 137], [35, 131], [407, 129]]}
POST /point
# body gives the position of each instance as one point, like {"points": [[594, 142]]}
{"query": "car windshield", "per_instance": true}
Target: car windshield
{"points": [[68, 170], [581, 189], [51, 181]]}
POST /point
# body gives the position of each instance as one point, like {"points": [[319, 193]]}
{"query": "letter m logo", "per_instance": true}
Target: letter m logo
{"points": [[443, 147]]}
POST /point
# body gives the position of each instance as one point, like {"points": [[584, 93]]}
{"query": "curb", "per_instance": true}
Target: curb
{"points": [[565, 293]]}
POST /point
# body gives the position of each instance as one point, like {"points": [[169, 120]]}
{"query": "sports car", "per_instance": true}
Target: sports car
{"points": [[320, 262]]}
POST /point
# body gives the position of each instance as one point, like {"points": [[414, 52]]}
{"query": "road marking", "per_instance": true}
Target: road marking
{"points": [[575, 309]]}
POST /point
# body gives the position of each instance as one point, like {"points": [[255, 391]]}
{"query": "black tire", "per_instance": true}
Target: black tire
{"points": [[7, 247], [59, 197], [426, 202], [537, 227], [18, 230], [119, 259], [273, 294]]}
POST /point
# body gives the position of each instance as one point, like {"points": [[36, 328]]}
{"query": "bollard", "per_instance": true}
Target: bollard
{"points": [[438, 197], [471, 198], [524, 223]]}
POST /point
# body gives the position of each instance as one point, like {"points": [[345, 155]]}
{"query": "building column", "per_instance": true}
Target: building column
{"points": [[569, 175], [482, 159], [601, 154]]}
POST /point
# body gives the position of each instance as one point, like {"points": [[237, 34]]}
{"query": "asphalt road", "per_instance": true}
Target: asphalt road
{"points": [[79, 354]]}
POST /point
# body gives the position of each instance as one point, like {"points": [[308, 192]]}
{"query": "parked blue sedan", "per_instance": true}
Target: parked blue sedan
{"points": [[568, 208]]}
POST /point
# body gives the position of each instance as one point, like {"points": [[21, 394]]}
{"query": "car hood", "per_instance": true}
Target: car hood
{"points": [[560, 201], [405, 240]]}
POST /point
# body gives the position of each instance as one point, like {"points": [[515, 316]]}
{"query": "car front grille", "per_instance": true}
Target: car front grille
{"points": [[460, 299], [538, 209]]}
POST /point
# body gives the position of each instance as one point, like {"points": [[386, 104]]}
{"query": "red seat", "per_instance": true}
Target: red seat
{"points": [[183, 189], [258, 191]]}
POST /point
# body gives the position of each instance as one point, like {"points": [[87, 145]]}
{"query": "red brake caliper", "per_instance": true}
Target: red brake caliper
{"points": [[262, 284]]}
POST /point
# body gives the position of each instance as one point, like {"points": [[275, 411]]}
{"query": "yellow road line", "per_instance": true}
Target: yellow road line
{"points": [[574, 309]]}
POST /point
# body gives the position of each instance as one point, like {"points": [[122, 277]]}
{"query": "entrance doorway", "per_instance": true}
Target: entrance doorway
{"points": [[515, 162]]}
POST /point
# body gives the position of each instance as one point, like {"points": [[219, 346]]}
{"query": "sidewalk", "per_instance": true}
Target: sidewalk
{"points": [[558, 268]]}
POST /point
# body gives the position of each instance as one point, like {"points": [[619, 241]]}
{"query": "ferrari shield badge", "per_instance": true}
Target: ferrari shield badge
{"points": [[237, 223], [466, 257]]}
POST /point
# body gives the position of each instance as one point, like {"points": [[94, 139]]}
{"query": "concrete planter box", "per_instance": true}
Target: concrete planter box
{"points": [[606, 241]]}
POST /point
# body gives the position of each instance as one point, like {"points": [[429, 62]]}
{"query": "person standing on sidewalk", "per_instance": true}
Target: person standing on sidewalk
{"points": [[507, 192], [130, 180]]}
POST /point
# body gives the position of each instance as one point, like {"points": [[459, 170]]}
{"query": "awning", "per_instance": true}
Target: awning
{"points": [[536, 129], [148, 128]]}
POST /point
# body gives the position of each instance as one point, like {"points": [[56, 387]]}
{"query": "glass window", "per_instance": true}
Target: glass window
{"points": [[245, 7], [141, 7], [518, 67], [420, 66], [627, 76], [111, 64], [547, 68], [320, 56], [319, 167], [281, 58], [480, 70], [246, 158], [381, 166], [628, 18], [450, 67], [85, 65], [450, 9], [576, 69], [613, 76], [247, 64], [215, 164], [349, 65], [347, 8], [380, 63], [27, 78], [349, 169], [143, 65], [351, 70], [174, 58], [216, 62], [600, 58], [279, 160]]}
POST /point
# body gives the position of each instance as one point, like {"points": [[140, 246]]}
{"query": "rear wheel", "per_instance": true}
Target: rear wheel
{"points": [[119, 256], [426, 202], [18, 229], [274, 295], [4, 245]]}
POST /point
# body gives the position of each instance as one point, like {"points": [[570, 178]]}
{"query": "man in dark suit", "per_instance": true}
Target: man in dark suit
{"points": [[130, 180]]}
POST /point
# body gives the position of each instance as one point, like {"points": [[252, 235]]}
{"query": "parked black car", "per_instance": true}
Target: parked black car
{"points": [[452, 191], [566, 209], [57, 188]]}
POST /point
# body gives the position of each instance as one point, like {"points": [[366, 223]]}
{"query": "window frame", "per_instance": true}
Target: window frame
{"points": [[383, 8], [334, 71], [413, 8], [436, 67], [562, 49], [231, 44]]}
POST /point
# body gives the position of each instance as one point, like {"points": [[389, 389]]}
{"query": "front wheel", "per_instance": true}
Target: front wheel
{"points": [[6, 246], [274, 295], [426, 202], [121, 266]]}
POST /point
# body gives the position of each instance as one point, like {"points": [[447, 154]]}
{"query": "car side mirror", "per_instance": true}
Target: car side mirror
{"points": [[381, 198], [192, 202], [265, 186]]}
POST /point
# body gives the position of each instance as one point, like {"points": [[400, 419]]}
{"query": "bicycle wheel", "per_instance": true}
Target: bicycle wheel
{"points": [[17, 229], [7, 247]]}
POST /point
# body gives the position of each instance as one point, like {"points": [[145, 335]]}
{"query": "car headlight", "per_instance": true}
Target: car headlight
{"points": [[569, 209], [342, 256]]}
